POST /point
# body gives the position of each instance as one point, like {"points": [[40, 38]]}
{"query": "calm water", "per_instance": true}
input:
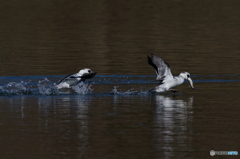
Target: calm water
{"points": [[113, 115]]}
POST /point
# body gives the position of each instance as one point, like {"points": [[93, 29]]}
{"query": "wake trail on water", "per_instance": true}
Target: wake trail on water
{"points": [[132, 91], [47, 87]]}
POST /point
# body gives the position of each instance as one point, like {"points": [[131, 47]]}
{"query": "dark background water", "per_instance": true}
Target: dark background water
{"points": [[43, 38], [61, 37]]}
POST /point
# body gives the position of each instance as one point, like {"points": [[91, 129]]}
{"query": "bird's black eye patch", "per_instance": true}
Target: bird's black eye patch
{"points": [[188, 76], [89, 71]]}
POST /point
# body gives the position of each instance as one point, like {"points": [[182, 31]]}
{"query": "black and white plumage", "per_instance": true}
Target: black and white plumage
{"points": [[164, 75], [74, 79]]}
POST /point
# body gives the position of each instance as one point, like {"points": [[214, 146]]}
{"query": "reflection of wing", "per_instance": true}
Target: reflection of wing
{"points": [[69, 77], [161, 67]]}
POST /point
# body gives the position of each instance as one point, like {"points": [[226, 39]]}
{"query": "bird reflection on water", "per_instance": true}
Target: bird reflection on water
{"points": [[172, 122]]}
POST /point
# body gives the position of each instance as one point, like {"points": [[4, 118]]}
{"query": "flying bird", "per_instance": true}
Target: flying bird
{"points": [[164, 75]]}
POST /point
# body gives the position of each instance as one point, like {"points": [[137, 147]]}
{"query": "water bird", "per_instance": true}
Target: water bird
{"points": [[164, 75], [74, 79]]}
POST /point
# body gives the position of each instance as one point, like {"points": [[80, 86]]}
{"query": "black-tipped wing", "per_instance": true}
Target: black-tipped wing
{"points": [[68, 77], [161, 67]]}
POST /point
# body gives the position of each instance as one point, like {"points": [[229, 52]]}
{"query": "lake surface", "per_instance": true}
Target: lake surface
{"points": [[113, 115]]}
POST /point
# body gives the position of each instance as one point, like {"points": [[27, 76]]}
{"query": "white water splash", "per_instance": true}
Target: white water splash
{"points": [[114, 91], [46, 87], [14, 88], [82, 88]]}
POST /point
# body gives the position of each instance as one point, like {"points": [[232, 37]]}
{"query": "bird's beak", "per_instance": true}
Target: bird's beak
{"points": [[190, 82], [88, 75]]}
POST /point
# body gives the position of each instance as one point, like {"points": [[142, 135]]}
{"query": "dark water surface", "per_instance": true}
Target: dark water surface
{"points": [[113, 115]]}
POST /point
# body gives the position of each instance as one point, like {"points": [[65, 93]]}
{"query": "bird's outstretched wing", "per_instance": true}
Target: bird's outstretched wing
{"points": [[68, 77], [161, 67]]}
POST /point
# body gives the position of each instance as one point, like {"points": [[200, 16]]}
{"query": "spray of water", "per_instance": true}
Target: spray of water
{"points": [[13, 88], [131, 91], [82, 88], [46, 87], [114, 91]]}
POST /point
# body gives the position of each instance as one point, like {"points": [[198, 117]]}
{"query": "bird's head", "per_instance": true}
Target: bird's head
{"points": [[86, 73], [186, 76]]}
